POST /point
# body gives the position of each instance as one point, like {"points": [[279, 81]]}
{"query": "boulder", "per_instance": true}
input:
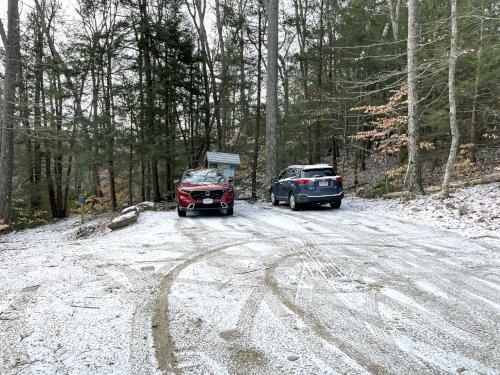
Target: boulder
{"points": [[124, 220], [146, 206], [129, 209]]}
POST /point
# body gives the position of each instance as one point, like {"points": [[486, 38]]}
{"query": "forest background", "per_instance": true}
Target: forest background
{"points": [[113, 99]]}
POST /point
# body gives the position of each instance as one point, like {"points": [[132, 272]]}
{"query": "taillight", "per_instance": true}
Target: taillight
{"points": [[338, 179], [303, 181]]}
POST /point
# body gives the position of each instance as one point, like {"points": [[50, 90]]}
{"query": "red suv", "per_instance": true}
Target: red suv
{"points": [[204, 189]]}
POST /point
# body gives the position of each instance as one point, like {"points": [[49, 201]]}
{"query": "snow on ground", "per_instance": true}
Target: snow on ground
{"points": [[473, 212], [373, 287]]}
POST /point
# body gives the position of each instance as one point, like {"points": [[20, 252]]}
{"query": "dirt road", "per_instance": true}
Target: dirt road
{"points": [[268, 291], [322, 291]]}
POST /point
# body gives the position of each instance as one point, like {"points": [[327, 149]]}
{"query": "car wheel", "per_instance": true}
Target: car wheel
{"points": [[274, 201], [229, 211], [292, 199], [180, 212], [335, 204]]}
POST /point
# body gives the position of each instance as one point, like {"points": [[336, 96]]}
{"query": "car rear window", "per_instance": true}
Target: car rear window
{"points": [[321, 172]]}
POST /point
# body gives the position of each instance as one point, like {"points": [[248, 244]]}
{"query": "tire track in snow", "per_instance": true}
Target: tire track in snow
{"points": [[416, 292], [164, 344], [247, 224], [434, 251], [378, 339], [313, 322]]}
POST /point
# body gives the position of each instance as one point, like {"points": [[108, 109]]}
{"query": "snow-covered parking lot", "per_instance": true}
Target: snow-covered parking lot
{"points": [[268, 291]]}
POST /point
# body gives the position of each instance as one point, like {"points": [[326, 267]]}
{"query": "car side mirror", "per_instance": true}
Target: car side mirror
{"points": [[273, 180], [176, 182]]}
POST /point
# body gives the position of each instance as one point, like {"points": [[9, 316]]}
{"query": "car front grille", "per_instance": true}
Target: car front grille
{"points": [[214, 194]]}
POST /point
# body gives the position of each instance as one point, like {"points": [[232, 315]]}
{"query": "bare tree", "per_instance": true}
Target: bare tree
{"points": [[413, 178], [475, 97], [394, 6], [301, 11], [223, 100], [445, 189], [197, 12], [10, 83], [257, 121], [272, 87]]}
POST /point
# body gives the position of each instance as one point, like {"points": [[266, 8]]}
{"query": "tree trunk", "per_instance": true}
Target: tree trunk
{"points": [[9, 121], [257, 121], [300, 25], [156, 185], [96, 180], [394, 6], [317, 128], [150, 101], [413, 178], [24, 113], [141, 126], [110, 127], [133, 121], [272, 88], [445, 190], [224, 81], [37, 162], [58, 157], [473, 121]]}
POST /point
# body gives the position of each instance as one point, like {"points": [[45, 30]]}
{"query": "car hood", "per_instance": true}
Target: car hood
{"points": [[204, 186]]}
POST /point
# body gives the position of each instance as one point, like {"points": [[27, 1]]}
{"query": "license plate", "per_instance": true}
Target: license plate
{"points": [[208, 201], [323, 183]]}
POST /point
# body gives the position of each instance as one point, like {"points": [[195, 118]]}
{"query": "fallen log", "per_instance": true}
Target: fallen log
{"points": [[488, 179]]}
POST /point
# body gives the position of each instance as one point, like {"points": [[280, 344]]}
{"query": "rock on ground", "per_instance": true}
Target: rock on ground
{"points": [[124, 220], [146, 206], [129, 209]]}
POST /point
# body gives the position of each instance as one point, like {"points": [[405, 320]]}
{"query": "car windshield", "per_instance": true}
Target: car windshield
{"points": [[320, 172], [202, 176]]}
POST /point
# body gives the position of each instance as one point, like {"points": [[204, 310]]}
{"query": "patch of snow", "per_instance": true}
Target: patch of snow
{"points": [[431, 288], [371, 287]]}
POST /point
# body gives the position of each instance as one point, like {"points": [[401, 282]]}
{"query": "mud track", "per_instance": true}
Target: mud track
{"points": [[161, 321]]}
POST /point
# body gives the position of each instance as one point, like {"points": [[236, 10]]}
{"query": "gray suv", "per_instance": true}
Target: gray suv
{"points": [[307, 184]]}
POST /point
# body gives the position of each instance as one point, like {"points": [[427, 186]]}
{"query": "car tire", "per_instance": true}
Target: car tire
{"points": [[274, 201], [292, 200], [229, 211], [180, 212], [335, 204]]}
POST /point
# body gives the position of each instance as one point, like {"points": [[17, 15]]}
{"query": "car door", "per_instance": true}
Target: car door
{"points": [[277, 188], [287, 182]]}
